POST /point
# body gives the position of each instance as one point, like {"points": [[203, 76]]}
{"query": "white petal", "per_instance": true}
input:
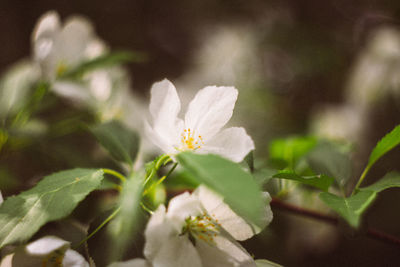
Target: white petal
{"points": [[211, 256], [74, 259], [47, 23], [164, 108], [267, 216], [44, 34], [210, 110], [100, 85], [157, 139], [72, 91], [178, 252], [229, 220], [7, 261], [74, 38], [46, 245], [131, 263], [96, 47], [44, 38], [232, 143], [181, 207], [157, 233], [235, 250]]}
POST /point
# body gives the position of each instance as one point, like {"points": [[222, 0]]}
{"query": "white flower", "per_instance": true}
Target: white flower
{"points": [[197, 230], [58, 48], [208, 112], [16, 87], [49, 251]]}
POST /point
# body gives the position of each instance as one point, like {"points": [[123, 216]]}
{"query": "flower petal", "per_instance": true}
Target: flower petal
{"points": [[74, 38], [178, 251], [158, 139], [210, 110], [44, 39], [164, 108], [74, 259], [232, 143], [44, 33], [157, 233], [7, 261], [72, 91], [131, 263], [211, 256], [235, 225], [181, 207], [46, 245], [235, 250]]}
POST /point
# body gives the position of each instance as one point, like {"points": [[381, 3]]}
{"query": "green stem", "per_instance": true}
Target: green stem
{"points": [[172, 169], [115, 174], [360, 180], [109, 218], [146, 208]]}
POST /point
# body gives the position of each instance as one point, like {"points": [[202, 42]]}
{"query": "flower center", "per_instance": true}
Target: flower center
{"points": [[201, 227], [55, 259], [61, 68], [190, 141]]}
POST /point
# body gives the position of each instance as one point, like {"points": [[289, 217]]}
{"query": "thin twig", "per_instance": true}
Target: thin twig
{"points": [[371, 232]]}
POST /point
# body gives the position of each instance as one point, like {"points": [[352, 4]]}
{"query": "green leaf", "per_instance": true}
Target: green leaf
{"points": [[387, 143], [51, 199], [227, 178], [350, 208], [321, 181], [105, 60], [126, 224], [389, 180], [327, 159], [291, 149], [121, 142]]}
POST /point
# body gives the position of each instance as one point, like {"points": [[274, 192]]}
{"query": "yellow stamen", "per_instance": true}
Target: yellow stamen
{"points": [[189, 140]]}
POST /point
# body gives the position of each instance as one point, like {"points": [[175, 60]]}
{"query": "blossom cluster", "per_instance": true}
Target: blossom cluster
{"points": [[195, 229]]}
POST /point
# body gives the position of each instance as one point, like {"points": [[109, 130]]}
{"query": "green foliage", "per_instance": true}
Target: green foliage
{"points": [[388, 181], [105, 60], [121, 142], [153, 166], [51, 199], [227, 178], [350, 208], [125, 225], [321, 181], [290, 150], [387, 143], [327, 159]]}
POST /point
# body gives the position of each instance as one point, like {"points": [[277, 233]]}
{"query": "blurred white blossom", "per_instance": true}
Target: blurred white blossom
{"points": [[207, 113], [49, 251], [344, 122], [375, 74], [16, 87], [58, 48]]}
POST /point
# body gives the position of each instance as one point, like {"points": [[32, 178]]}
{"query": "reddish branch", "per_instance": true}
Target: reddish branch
{"points": [[370, 232]]}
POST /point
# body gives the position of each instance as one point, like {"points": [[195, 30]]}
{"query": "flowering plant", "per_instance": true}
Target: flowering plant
{"points": [[71, 105]]}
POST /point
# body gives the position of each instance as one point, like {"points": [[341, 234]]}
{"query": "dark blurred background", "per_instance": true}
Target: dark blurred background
{"points": [[296, 56]]}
